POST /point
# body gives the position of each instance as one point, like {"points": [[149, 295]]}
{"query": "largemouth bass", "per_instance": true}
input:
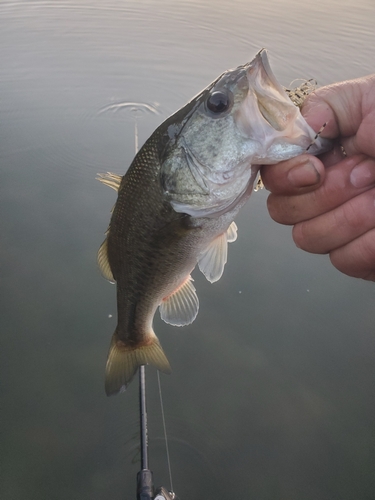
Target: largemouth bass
{"points": [[177, 203]]}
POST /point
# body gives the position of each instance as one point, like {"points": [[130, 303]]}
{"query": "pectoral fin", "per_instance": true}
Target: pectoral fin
{"points": [[214, 258], [232, 232], [181, 307], [103, 262]]}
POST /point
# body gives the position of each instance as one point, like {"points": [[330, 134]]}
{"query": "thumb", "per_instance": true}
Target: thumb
{"points": [[339, 106]]}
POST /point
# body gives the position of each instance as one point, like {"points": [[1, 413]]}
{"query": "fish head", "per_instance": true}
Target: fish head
{"points": [[216, 143]]}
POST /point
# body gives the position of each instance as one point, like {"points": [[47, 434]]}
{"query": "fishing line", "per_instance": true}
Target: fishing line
{"points": [[165, 431]]}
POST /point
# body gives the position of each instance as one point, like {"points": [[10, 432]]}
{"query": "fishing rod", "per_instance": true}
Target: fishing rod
{"points": [[145, 485]]}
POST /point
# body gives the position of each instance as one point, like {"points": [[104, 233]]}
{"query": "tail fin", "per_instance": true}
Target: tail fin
{"points": [[124, 360]]}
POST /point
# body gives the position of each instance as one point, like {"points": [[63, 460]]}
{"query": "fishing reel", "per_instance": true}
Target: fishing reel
{"points": [[145, 489], [163, 494]]}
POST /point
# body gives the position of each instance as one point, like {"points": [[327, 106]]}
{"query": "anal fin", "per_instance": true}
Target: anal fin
{"points": [[181, 307]]}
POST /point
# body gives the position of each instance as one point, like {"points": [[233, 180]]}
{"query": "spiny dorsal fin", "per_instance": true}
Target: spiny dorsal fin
{"points": [[214, 258], [181, 307], [109, 179], [103, 262]]}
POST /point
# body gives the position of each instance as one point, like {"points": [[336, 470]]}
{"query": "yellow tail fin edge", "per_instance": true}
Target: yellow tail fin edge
{"points": [[123, 363]]}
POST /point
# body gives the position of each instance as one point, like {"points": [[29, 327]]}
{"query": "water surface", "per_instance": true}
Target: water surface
{"points": [[272, 391]]}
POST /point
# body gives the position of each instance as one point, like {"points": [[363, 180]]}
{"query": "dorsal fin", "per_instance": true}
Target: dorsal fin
{"points": [[103, 262], [181, 307], [214, 258], [109, 179]]}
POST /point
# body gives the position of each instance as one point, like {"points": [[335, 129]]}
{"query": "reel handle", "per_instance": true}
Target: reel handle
{"points": [[163, 494]]}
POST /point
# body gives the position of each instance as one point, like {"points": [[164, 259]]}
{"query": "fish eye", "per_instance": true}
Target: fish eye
{"points": [[219, 102]]}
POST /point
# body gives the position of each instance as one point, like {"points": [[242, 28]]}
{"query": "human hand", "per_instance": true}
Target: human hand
{"points": [[331, 201]]}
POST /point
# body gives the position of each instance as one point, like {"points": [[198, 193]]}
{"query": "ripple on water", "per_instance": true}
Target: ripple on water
{"points": [[103, 137], [136, 109]]}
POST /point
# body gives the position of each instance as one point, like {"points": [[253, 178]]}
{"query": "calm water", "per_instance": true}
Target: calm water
{"points": [[272, 391]]}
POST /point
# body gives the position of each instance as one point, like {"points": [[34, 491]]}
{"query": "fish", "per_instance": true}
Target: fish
{"points": [[177, 202]]}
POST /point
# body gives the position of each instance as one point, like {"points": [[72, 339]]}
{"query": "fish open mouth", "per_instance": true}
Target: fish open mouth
{"points": [[273, 102]]}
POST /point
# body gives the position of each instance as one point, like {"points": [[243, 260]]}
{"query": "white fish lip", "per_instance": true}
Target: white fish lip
{"points": [[273, 103], [260, 63]]}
